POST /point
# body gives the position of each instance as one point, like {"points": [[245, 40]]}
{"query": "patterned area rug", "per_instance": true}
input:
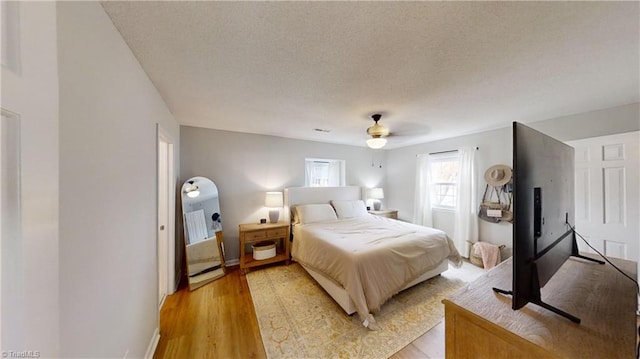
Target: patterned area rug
{"points": [[298, 319]]}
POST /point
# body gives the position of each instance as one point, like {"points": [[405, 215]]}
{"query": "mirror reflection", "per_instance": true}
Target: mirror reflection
{"points": [[202, 231]]}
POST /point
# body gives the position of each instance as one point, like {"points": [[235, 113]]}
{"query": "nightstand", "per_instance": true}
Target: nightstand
{"points": [[389, 213], [251, 233]]}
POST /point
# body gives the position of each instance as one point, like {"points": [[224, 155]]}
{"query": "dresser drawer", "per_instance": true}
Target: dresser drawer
{"points": [[255, 235], [278, 232]]}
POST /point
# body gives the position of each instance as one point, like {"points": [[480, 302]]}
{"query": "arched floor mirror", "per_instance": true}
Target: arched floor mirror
{"points": [[202, 224]]}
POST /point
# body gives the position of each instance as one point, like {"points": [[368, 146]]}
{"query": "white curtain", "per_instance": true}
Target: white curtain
{"points": [[422, 201], [466, 219], [308, 174], [336, 177]]}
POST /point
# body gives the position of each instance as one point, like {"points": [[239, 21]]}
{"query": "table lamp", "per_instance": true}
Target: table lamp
{"points": [[274, 201], [377, 194]]}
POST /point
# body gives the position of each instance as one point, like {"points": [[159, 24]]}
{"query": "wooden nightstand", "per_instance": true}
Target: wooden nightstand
{"points": [[251, 233], [389, 213]]}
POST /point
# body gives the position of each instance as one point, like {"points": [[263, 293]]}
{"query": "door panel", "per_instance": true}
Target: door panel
{"points": [[615, 249], [614, 195], [583, 205]]}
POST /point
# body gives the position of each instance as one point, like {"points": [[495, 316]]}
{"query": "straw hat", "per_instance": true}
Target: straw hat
{"points": [[498, 175]]}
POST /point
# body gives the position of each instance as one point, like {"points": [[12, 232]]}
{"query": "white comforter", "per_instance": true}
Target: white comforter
{"points": [[372, 257]]}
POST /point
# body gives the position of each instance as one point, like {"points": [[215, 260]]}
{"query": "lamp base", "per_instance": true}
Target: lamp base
{"points": [[274, 214], [376, 205]]}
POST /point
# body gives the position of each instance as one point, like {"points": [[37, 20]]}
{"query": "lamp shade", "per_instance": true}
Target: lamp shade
{"points": [[376, 193], [377, 142], [273, 199]]}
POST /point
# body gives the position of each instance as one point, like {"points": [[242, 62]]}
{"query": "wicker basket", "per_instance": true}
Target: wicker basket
{"points": [[476, 259], [264, 250]]}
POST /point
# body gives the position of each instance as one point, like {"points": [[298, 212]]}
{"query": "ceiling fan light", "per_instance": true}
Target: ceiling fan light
{"points": [[376, 142], [193, 194], [192, 190]]}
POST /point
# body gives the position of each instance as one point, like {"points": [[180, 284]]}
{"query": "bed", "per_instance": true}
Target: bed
{"points": [[361, 260]]}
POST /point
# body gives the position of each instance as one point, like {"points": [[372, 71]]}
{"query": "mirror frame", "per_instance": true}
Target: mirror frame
{"points": [[218, 266]]}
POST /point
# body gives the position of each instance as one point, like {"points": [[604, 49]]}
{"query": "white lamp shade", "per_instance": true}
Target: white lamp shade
{"points": [[376, 193], [273, 199], [377, 142]]}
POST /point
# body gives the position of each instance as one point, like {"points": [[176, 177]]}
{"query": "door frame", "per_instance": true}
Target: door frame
{"points": [[11, 184], [164, 136]]}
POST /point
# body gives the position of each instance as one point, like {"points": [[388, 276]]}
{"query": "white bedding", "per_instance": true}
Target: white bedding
{"points": [[372, 257]]}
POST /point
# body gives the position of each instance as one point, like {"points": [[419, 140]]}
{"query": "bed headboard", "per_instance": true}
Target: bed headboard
{"points": [[310, 195]]}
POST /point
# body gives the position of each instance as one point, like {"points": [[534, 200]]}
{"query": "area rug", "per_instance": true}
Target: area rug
{"points": [[298, 319]]}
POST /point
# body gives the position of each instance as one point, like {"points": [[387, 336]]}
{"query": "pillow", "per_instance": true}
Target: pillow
{"points": [[310, 213], [349, 209]]}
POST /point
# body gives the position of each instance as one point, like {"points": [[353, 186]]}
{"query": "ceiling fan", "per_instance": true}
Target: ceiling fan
{"points": [[377, 133]]}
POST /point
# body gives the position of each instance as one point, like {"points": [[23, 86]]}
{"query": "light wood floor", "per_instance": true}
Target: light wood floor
{"points": [[218, 321]]}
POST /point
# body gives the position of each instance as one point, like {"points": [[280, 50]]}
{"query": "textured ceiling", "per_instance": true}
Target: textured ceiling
{"points": [[434, 69]]}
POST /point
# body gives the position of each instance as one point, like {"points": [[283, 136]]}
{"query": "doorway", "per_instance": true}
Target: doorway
{"points": [[607, 194], [166, 216]]}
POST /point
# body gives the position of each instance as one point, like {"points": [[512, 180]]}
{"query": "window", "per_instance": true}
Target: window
{"points": [[444, 170], [324, 172]]}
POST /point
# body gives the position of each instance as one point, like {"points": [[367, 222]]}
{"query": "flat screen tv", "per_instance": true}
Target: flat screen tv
{"points": [[543, 212]]}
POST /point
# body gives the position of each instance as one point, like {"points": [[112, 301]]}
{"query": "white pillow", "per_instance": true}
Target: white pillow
{"points": [[310, 213], [349, 209]]}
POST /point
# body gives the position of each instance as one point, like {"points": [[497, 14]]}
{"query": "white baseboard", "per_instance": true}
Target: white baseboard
{"points": [[233, 262], [151, 349]]}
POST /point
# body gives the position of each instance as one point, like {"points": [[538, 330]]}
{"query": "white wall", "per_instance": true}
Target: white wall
{"points": [[30, 321], [245, 166], [495, 147], [609, 121], [108, 255]]}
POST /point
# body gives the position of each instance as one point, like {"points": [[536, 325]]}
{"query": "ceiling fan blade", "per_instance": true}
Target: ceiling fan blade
{"points": [[409, 129]]}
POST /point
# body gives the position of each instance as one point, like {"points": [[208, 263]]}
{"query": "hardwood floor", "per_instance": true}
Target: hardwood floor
{"points": [[214, 321], [218, 321]]}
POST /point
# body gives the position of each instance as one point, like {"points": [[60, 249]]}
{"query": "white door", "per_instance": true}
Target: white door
{"points": [[11, 244], [166, 272], [608, 195]]}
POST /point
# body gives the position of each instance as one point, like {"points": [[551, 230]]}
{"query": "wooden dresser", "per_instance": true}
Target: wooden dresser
{"points": [[481, 324]]}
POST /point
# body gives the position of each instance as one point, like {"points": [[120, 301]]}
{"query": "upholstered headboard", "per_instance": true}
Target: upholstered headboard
{"points": [[294, 196]]}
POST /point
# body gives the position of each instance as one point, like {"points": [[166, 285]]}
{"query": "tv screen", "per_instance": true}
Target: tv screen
{"points": [[543, 211], [543, 192]]}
